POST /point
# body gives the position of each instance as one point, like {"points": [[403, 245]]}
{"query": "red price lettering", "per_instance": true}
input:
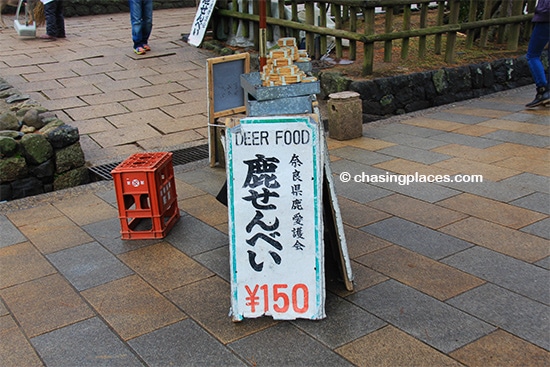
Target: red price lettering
{"points": [[279, 298]]}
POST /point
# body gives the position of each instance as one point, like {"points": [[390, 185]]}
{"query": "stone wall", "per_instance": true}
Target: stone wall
{"points": [[38, 152], [412, 92]]}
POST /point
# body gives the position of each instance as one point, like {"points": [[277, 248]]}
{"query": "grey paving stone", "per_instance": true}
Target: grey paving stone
{"points": [[540, 228], [183, 344], [417, 238], [10, 234], [429, 192], [527, 117], [344, 322], [88, 265], [434, 322], [360, 155], [86, 343], [284, 345], [507, 272], [216, 260], [412, 130], [529, 181], [414, 154], [468, 140], [519, 138], [193, 236], [537, 201], [378, 132], [107, 233], [510, 311], [499, 191], [414, 141], [544, 263], [359, 192], [494, 104], [354, 168], [457, 117], [108, 196]]}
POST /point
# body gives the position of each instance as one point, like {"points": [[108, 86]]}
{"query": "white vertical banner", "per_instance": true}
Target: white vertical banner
{"points": [[274, 177], [200, 23]]}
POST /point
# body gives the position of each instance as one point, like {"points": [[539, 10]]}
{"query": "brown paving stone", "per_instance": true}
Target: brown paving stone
{"points": [[360, 242], [45, 304], [155, 90], [334, 144], [538, 167], [63, 103], [502, 349], [85, 79], [21, 263], [358, 215], [492, 211], [180, 124], [109, 97], [71, 92], [149, 103], [205, 208], [420, 272], [391, 347], [132, 73], [483, 112], [165, 267], [170, 78], [523, 127], [433, 123], [132, 307], [471, 153], [90, 112], [15, 350], [131, 119], [369, 143], [518, 150], [474, 130], [92, 126], [126, 84], [406, 167], [185, 190], [469, 167], [45, 234], [186, 109], [363, 278], [33, 215], [124, 135], [87, 209], [430, 215], [208, 303], [505, 240], [50, 75], [170, 140]]}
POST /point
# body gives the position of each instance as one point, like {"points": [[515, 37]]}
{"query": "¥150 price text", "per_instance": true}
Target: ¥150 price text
{"points": [[277, 297]]}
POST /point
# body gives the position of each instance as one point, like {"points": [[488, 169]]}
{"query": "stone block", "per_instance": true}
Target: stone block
{"points": [[345, 120]]}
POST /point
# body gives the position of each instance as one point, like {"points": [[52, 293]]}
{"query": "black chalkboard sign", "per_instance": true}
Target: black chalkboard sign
{"points": [[225, 94]]}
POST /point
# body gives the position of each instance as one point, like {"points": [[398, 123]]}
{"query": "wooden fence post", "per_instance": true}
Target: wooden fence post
{"points": [[368, 47], [451, 36]]}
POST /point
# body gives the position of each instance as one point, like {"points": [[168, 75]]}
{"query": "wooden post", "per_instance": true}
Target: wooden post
{"points": [[368, 47], [406, 27], [451, 36], [388, 29], [337, 14], [485, 30], [353, 28], [263, 34], [513, 36], [440, 16], [423, 23], [322, 23], [472, 16], [310, 19]]}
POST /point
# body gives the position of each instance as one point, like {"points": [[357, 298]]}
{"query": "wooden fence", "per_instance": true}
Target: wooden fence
{"points": [[354, 21]]}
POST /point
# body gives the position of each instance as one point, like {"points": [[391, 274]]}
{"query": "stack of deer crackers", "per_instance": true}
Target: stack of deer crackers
{"points": [[280, 68]]}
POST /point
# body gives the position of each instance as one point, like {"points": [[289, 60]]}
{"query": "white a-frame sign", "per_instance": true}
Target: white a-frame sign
{"points": [[274, 170]]}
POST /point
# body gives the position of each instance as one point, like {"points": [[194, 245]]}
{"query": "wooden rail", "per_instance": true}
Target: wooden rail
{"points": [[505, 15]]}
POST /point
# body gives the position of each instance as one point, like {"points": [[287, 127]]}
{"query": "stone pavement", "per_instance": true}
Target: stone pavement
{"points": [[446, 274]]}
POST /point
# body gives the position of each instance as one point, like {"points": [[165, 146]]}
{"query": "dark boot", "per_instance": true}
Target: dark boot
{"points": [[542, 97]]}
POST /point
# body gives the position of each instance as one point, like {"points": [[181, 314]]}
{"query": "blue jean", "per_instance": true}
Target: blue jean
{"points": [[141, 17], [539, 39], [55, 22]]}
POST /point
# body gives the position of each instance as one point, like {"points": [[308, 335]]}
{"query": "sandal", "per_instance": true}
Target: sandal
{"points": [[139, 50], [147, 48]]}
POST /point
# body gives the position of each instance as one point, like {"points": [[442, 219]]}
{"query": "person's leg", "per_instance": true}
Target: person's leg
{"points": [[136, 21], [147, 18], [539, 39], [60, 20], [49, 13]]}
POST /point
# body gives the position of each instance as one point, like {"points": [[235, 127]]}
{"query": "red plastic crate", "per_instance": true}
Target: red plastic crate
{"points": [[146, 195]]}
